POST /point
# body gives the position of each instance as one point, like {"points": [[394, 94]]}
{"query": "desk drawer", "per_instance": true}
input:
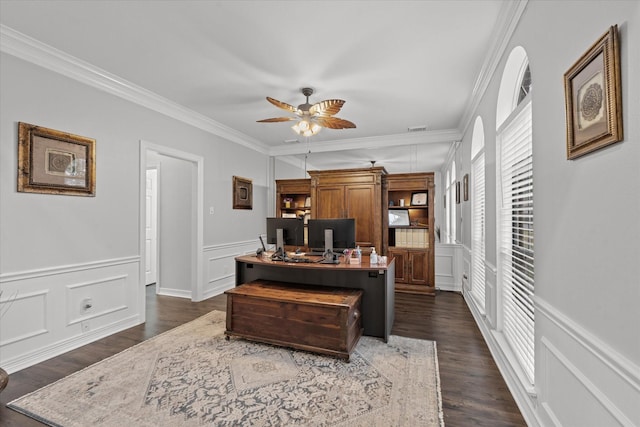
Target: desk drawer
{"points": [[317, 318]]}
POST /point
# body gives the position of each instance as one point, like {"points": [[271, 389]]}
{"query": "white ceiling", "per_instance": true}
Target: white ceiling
{"points": [[397, 64]]}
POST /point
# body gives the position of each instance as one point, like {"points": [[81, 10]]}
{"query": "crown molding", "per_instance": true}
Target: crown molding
{"points": [[31, 50], [507, 22], [383, 141]]}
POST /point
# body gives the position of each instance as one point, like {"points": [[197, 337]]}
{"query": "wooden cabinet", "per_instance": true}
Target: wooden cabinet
{"points": [[412, 245], [412, 269], [351, 193]]}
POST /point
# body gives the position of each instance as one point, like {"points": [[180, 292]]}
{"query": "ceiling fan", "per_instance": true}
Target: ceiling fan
{"points": [[311, 117]]}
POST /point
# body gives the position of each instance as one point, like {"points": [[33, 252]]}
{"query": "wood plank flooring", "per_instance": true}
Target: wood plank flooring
{"points": [[473, 391]]}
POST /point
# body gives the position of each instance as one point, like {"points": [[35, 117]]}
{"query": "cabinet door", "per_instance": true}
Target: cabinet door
{"points": [[418, 263], [401, 264], [361, 205], [330, 202]]}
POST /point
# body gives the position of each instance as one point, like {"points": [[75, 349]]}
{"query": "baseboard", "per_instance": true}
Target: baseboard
{"points": [[40, 355]]}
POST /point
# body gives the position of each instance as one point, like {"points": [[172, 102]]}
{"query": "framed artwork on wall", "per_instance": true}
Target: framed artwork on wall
{"points": [[593, 99], [55, 162], [242, 193], [465, 187]]}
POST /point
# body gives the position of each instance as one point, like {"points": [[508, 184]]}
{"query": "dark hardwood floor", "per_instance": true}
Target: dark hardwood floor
{"points": [[473, 391]]}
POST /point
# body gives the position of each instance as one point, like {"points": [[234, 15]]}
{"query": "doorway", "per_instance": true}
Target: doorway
{"points": [[182, 218]]}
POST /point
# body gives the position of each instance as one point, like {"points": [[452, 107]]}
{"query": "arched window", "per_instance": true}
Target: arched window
{"points": [[477, 214], [515, 210]]}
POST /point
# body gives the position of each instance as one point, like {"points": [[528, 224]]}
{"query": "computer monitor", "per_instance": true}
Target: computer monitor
{"points": [[285, 231], [336, 234]]}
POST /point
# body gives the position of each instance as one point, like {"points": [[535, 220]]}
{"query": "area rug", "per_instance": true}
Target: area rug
{"points": [[192, 376]]}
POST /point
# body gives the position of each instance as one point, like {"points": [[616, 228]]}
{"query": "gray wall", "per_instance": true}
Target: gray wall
{"points": [[587, 227], [57, 250]]}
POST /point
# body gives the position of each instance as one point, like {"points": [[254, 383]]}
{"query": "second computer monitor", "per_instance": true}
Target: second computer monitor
{"points": [[336, 234], [291, 232]]}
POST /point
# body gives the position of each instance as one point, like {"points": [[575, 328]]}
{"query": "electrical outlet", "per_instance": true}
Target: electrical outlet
{"points": [[87, 304], [85, 326]]}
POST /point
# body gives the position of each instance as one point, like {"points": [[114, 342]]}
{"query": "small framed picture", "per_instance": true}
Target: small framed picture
{"points": [[465, 187], [242, 193], [593, 97], [419, 199]]}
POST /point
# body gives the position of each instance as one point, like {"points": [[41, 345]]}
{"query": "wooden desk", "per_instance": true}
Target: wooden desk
{"points": [[376, 282]]}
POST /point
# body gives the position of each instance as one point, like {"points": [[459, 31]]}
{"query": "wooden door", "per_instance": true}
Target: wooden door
{"points": [[330, 202], [401, 264], [361, 204], [418, 267]]}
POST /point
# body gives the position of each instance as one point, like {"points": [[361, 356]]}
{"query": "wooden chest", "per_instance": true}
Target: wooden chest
{"points": [[314, 318]]}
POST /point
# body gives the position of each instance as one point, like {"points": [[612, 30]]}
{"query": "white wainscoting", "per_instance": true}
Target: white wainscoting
{"points": [[58, 309], [448, 267], [220, 265], [580, 377]]}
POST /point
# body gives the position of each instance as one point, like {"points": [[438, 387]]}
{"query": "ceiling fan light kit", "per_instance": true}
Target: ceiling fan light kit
{"points": [[311, 117]]}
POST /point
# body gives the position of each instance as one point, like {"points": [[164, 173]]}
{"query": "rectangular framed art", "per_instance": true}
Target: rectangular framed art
{"points": [[593, 97], [465, 187], [242, 193], [55, 162]]}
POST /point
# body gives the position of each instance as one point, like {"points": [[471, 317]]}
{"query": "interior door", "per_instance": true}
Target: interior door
{"points": [[151, 228]]}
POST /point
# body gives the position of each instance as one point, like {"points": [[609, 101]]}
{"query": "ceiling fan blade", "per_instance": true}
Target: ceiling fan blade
{"points": [[328, 107], [282, 105], [334, 123], [277, 119]]}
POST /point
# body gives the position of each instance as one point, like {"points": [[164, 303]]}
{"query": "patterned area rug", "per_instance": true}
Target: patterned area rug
{"points": [[192, 376]]}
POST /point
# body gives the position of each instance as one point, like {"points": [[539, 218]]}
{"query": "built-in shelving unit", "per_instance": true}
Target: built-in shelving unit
{"points": [[411, 197]]}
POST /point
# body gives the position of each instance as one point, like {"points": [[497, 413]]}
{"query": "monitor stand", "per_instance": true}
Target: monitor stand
{"points": [[328, 241], [279, 254], [329, 257]]}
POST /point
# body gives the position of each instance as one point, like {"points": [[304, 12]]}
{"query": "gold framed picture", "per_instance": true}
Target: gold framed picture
{"points": [[593, 97], [242, 193], [55, 162]]}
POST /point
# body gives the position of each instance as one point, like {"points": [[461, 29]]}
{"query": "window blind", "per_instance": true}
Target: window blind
{"points": [[478, 231], [516, 236]]}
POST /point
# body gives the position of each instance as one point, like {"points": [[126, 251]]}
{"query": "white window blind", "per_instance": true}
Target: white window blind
{"points": [[516, 236], [477, 230]]}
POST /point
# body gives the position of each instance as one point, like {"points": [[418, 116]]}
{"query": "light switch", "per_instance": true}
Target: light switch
{"points": [[210, 210]]}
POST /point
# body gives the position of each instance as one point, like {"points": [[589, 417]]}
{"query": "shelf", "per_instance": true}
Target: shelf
{"points": [[400, 208]]}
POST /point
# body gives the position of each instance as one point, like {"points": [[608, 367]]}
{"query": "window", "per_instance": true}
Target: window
{"points": [[477, 215], [515, 226]]}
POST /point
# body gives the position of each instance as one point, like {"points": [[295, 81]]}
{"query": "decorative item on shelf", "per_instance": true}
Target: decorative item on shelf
{"points": [[307, 202], [55, 162], [242, 193], [419, 198], [287, 202], [593, 97]]}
